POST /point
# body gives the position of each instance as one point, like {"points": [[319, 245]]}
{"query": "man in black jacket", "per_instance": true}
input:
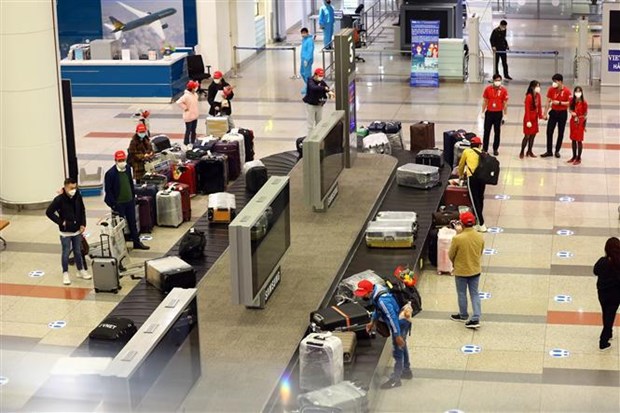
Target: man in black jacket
{"points": [[499, 44], [317, 93], [68, 212]]}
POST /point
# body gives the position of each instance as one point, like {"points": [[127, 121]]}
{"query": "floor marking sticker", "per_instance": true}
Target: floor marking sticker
{"points": [[489, 251], [36, 273], [484, 296], [471, 349], [57, 324], [559, 353], [495, 230], [565, 232], [502, 197], [565, 254], [563, 298]]}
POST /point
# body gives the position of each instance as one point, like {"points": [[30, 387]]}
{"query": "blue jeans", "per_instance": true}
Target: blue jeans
{"points": [[68, 244], [462, 283], [128, 211], [401, 355]]}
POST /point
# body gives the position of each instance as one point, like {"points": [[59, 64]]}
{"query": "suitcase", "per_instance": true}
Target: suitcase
{"points": [[106, 278], [377, 143], [396, 140], [192, 245], [158, 180], [349, 343], [432, 246], [459, 148], [196, 153], [456, 195], [236, 137], [255, 178], [347, 287], [399, 216], [248, 136], [417, 176], [185, 173], [389, 234], [127, 230], [217, 125], [171, 272], [146, 209], [186, 203], [174, 154], [321, 361], [112, 240], [422, 135], [299, 145], [169, 208], [347, 317], [231, 150], [376, 127], [392, 127], [443, 218], [432, 157], [444, 240], [344, 397], [151, 192], [212, 174], [221, 208], [159, 165], [160, 142]]}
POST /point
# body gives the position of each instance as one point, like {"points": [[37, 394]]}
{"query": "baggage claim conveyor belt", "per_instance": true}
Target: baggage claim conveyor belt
{"points": [[382, 261]]}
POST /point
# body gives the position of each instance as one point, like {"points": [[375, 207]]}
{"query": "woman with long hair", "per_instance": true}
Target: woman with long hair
{"points": [[578, 109], [607, 269], [533, 112]]}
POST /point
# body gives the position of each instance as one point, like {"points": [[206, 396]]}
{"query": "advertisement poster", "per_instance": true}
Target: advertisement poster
{"points": [[613, 64], [144, 25], [352, 120], [424, 53]]}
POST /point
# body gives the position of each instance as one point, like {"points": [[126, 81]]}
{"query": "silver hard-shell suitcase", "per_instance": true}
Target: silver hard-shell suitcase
{"points": [[169, 208], [417, 176], [106, 276], [459, 148], [321, 361], [399, 216], [343, 397]]}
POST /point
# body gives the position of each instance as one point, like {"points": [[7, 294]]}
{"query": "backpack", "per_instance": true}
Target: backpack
{"points": [[488, 169], [192, 244], [114, 329], [404, 294]]}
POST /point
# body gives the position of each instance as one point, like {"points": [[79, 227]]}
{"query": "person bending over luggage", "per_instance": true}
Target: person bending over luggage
{"points": [[466, 253], [607, 269], [140, 151], [467, 166], [68, 212], [387, 310], [317, 93], [219, 95], [120, 195], [189, 103]]}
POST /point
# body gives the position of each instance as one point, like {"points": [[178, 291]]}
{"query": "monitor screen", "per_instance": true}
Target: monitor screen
{"points": [[332, 157], [614, 26], [270, 239], [443, 15]]}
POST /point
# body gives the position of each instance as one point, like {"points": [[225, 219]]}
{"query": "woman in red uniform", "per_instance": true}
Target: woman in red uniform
{"points": [[533, 112], [578, 109]]}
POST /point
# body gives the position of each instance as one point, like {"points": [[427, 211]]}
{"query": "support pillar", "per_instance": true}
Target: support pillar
{"points": [[473, 42], [583, 60]]}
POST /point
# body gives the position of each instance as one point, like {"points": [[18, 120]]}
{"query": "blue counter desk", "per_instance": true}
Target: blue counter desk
{"points": [[118, 80]]}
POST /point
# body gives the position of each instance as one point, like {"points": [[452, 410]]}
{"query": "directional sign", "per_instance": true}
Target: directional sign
{"points": [[565, 254], [559, 353], [484, 296], [565, 232], [496, 230], [57, 324], [489, 251], [563, 298], [471, 349], [146, 237], [566, 199], [502, 197], [36, 273]]}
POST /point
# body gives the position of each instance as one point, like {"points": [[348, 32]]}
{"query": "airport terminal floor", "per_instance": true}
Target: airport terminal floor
{"points": [[531, 263]]}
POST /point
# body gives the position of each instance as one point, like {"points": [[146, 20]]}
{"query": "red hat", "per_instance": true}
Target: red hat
{"points": [[319, 72], [119, 155], [141, 127], [476, 140], [192, 84], [146, 113], [364, 287], [467, 218], [218, 75]]}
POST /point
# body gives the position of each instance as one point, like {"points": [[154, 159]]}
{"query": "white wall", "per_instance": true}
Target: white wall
{"points": [[246, 33], [294, 12]]}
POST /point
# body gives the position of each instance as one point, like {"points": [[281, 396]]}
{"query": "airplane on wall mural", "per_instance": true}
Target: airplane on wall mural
{"points": [[153, 20]]}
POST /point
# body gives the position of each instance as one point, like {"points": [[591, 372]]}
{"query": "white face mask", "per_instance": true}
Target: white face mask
{"points": [[121, 165], [72, 192], [217, 81], [497, 83], [577, 94], [142, 135], [554, 84], [537, 89], [319, 78]]}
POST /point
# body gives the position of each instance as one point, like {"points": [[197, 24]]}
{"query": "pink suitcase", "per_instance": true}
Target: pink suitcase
{"points": [[444, 240], [456, 195]]}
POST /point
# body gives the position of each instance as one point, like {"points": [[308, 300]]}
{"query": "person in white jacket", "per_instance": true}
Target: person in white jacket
{"points": [[189, 103]]}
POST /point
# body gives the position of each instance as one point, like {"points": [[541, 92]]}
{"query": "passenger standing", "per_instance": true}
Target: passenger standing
{"points": [[579, 113], [220, 105], [499, 44], [189, 103], [326, 22], [316, 96], [494, 107], [558, 97], [466, 253], [307, 57], [607, 269], [532, 112], [140, 151], [467, 167]]}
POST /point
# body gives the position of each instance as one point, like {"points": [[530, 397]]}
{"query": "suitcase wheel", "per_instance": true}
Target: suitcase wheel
{"points": [[96, 290]]}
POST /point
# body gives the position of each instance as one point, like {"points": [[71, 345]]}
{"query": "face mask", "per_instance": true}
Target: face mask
{"points": [[121, 165], [217, 81], [537, 89], [319, 78], [497, 83], [142, 135], [578, 94], [72, 192], [554, 84]]}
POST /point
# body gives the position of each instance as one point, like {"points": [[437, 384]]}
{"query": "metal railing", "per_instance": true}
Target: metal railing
{"points": [[588, 57], [235, 65], [530, 53], [375, 15]]}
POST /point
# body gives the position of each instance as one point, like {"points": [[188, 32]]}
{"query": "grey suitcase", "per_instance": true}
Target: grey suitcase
{"points": [[169, 208], [344, 397], [396, 140], [417, 176], [459, 148], [106, 277], [349, 343], [399, 216]]}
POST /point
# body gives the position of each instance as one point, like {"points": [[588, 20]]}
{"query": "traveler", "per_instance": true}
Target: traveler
{"points": [[532, 112], [607, 269], [316, 96], [307, 57], [189, 103], [466, 254], [388, 311], [326, 22], [220, 102], [494, 107], [140, 151], [558, 97], [120, 195], [578, 108], [467, 166], [68, 212], [500, 47]]}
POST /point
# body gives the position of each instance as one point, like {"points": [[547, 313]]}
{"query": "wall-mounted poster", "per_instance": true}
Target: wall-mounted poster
{"points": [[424, 53], [144, 25]]}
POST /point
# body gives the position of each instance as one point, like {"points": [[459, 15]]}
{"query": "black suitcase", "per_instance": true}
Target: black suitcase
{"points": [[431, 157], [349, 316], [231, 150], [170, 272], [196, 153], [148, 190], [160, 142], [376, 127], [299, 144], [392, 127], [110, 336], [255, 178], [248, 140], [212, 174]]}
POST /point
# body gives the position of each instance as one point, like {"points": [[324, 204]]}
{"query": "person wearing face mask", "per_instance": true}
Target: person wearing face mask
{"points": [[307, 57], [494, 107], [68, 212], [499, 44], [558, 98], [326, 22], [578, 114], [120, 195], [189, 103], [140, 151], [219, 105], [316, 96], [533, 112]]}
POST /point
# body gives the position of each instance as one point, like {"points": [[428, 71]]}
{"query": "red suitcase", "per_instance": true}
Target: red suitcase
{"points": [[185, 173], [456, 195], [231, 150], [186, 203]]}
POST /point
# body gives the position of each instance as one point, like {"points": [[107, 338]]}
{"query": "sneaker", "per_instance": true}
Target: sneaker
{"points": [[407, 375], [546, 155], [65, 278], [83, 274], [472, 324], [390, 384], [557, 155], [604, 347], [457, 317], [482, 228]]}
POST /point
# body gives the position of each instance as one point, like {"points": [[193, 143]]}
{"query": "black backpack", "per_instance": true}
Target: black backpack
{"points": [[488, 168], [114, 329], [192, 244], [404, 294]]}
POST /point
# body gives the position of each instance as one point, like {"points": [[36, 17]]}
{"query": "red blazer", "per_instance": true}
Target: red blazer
{"points": [[578, 122], [532, 115]]}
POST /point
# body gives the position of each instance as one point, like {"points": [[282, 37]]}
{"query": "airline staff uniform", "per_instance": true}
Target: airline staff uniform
{"points": [[557, 116], [496, 98]]}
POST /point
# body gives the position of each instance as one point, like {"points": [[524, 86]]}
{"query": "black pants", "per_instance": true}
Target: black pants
{"points": [[610, 301], [476, 194], [190, 132], [501, 54], [493, 119], [128, 211], [556, 117]]}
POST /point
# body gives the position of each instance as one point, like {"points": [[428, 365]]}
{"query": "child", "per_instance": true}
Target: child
{"points": [[578, 109], [533, 112]]}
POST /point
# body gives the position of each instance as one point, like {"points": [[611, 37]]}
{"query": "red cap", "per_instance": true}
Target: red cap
{"points": [[319, 72], [218, 75], [476, 140], [146, 114], [364, 287], [192, 85], [467, 218], [141, 127], [119, 155]]}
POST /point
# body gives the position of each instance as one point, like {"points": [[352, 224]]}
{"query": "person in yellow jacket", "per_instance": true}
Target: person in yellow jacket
{"points": [[467, 166], [466, 255]]}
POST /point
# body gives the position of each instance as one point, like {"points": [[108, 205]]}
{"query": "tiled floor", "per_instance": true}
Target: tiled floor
{"points": [[522, 322]]}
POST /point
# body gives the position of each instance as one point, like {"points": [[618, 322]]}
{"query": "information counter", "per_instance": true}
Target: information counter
{"points": [[146, 80]]}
